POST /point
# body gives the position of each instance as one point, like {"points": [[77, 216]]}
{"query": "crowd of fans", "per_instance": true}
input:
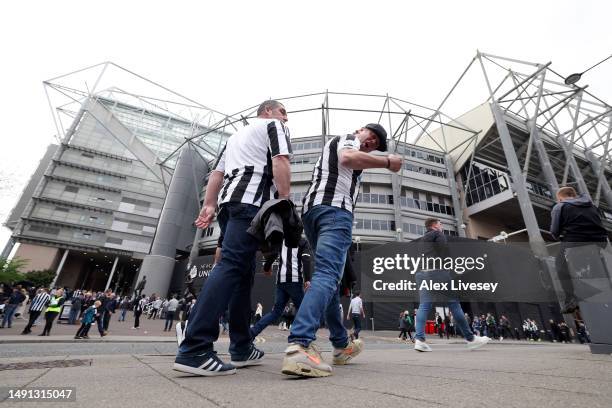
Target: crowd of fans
{"points": [[500, 329], [96, 308], [86, 307]]}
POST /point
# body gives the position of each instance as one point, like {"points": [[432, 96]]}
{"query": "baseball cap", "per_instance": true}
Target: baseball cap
{"points": [[381, 133]]}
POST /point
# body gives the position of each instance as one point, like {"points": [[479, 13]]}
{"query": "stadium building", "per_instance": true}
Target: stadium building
{"points": [[119, 195]]}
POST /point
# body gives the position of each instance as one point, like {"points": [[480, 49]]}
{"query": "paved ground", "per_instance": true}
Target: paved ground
{"points": [[136, 371]]}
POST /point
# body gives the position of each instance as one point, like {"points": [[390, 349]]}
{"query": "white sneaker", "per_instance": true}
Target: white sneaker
{"points": [[501, 338], [477, 342], [180, 332], [421, 346]]}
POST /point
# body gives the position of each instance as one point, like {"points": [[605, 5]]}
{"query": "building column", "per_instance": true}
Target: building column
{"points": [[8, 248], [571, 162], [110, 277], [599, 170], [59, 267], [396, 187], [180, 209], [547, 169], [452, 184], [518, 183]]}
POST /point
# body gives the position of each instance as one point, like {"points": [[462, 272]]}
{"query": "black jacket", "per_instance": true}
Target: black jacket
{"points": [[577, 220], [276, 220]]}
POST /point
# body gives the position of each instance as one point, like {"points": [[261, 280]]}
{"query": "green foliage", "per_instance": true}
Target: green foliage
{"points": [[40, 278], [11, 271]]}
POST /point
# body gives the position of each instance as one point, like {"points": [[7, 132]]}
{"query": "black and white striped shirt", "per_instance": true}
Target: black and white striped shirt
{"points": [[39, 302], [246, 162], [332, 183], [292, 267]]}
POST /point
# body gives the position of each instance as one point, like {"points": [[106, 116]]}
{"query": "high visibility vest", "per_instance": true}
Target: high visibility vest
{"points": [[54, 304]]}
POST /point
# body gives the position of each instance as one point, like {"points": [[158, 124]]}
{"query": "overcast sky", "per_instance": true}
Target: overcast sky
{"points": [[233, 54]]}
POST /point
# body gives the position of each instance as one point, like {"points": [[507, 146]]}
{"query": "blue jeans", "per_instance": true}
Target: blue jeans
{"points": [[425, 299], [284, 292], [229, 284], [122, 315], [9, 311], [329, 230], [72, 316]]}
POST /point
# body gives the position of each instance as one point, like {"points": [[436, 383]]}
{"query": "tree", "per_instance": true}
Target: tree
{"points": [[11, 271], [41, 278]]}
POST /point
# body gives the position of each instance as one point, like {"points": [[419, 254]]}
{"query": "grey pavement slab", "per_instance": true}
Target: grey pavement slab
{"points": [[386, 374]]}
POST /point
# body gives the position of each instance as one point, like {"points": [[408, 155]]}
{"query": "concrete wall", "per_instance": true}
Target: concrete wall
{"points": [[38, 256], [26, 195], [71, 272], [488, 227]]}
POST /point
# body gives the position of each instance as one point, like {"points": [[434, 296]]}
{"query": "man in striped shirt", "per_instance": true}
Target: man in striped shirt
{"points": [[292, 277], [253, 167], [37, 305], [328, 223]]}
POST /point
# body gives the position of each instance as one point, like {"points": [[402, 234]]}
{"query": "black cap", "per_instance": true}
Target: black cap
{"points": [[381, 133]]}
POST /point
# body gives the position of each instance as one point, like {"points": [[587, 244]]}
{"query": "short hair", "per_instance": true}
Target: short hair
{"points": [[270, 103], [566, 192], [356, 293], [430, 222]]}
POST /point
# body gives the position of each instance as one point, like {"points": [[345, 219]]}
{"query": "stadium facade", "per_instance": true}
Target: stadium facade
{"points": [[126, 182]]}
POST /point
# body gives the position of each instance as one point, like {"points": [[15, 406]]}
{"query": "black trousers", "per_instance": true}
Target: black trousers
{"points": [[169, 320], [106, 320], [49, 317], [505, 329], [356, 324], [83, 330], [100, 324], [137, 319], [33, 316]]}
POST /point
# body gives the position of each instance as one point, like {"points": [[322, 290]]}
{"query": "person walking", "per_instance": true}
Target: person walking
{"points": [[505, 327], [575, 221], [89, 316], [403, 334], [292, 278], [435, 236], [328, 223], [11, 305], [491, 326], [139, 305], [157, 304], [75, 307], [123, 308], [253, 167], [355, 313], [19, 312], [438, 324], [38, 304], [170, 312], [55, 305], [108, 309]]}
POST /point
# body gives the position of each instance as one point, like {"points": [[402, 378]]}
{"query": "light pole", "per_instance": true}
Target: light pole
{"points": [[572, 79]]}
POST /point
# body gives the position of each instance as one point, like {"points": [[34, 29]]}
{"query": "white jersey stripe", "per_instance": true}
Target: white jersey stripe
{"points": [[246, 162]]}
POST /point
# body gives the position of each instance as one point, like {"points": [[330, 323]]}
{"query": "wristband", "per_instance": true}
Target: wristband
{"points": [[388, 163]]}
